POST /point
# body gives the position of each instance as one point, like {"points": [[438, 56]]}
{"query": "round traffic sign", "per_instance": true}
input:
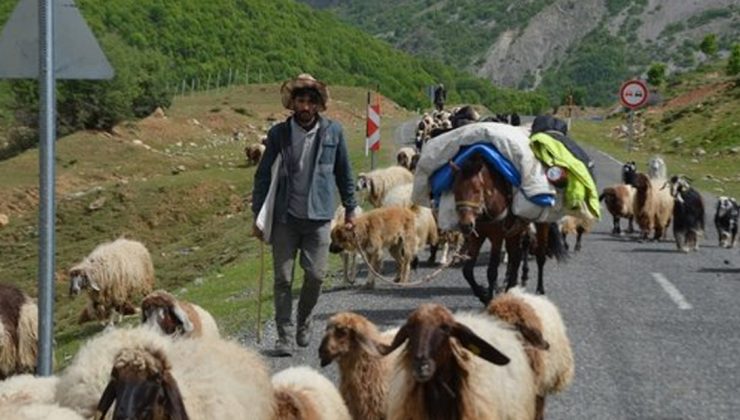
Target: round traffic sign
{"points": [[633, 94]]}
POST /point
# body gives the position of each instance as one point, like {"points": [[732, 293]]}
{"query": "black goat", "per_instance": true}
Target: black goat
{"points": [[726, 220], [688, 214]]}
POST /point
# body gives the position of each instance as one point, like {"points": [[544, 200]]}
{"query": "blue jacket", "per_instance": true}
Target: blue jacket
{"points": [[331, 168]]}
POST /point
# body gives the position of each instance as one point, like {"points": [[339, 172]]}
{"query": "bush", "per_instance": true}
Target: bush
{"points": [[656, 74], [733, 64]]}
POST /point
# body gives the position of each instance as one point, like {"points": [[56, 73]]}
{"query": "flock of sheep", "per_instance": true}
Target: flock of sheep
{"points": [[175, 364]]}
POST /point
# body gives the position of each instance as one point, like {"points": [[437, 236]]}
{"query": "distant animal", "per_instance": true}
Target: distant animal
{"points": [[629, 170], [726, 220], [653, 206], [688, 214], [619, 200], [574, 225], [254, 152], [405, 157], [657, 168], [464, 116], [174, 317]]}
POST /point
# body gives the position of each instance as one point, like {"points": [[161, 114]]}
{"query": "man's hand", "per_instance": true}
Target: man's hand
{"points": [[349, 220], [256, 232]]}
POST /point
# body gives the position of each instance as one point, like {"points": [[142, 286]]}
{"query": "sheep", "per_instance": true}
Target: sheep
{"points": [[575, 225], [399, 196], [254, 152], [379, 181], [449, 369], [114, 275], [364, 375], [18, 332], [392, 228], [423, 131], [657, 168], [36, 411], [349, 259], [544, 337], [688, 214], [726, 220], [171, 316], [653, 207], [198, 379], [405, 156], [28, 389], [301, 393], [619, 200]]}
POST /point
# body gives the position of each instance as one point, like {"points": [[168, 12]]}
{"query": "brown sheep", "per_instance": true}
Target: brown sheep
{"points": [[177, 317], [254, 152], [18, 332], [619, 200], [392, 228], [653, 207]]}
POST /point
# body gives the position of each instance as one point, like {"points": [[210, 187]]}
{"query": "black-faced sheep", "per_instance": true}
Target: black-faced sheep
{"points": [[544, 337], [301, 393], [18, 332], [379, 182], [174, 317], [449, 369], [115, 274], [726, 220], [405, 156], [620, 202], [629, 170], [688, 214], [653, 206], [364, 375], [198, 379]]}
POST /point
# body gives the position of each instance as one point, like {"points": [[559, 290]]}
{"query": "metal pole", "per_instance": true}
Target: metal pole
{"points": [[47, 210], [630, 129]]}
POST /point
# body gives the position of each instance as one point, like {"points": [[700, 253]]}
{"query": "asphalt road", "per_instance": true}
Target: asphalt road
{"points": [[655, 332]]}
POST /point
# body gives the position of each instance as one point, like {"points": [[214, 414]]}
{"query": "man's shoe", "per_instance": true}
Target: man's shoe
{"points": [[303, 335], [282, 348]]}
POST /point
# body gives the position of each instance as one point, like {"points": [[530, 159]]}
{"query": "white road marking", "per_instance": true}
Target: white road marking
{"points": [[611, 157], [672, 291]]}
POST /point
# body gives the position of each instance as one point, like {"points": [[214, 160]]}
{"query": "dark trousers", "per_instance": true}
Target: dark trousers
{"points": [[312, 239]]}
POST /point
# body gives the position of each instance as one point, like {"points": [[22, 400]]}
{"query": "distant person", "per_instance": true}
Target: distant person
{"points": [[440, 96], [314, 159], [515, 120]]}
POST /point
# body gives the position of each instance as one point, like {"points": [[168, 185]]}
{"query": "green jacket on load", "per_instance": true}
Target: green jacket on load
{"points": [[580, 187]]}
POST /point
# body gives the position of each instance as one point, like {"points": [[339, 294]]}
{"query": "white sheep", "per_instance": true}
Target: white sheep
{"points": [[301, 393], [653, 206], [18, 332], [575, 225], [379, 181], [115, 275], [544, 337], [450, 369], [36, 411], [399, 196], [364, 375], [171, 316], [28, 389], [198, 379], [426, 230]]}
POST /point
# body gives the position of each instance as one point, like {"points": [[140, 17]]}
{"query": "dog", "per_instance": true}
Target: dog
{"points": [[392, 228], [726, 221]]}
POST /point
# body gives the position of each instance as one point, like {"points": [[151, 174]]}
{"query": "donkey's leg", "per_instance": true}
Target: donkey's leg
{"points": [[514, 249], [525, 258], [579, 230], [493, 262], [541, 253], [472, 246]]}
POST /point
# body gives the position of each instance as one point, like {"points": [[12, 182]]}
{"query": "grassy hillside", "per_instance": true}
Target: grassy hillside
{"points": [[157, 44], [695, 129], [180, 185]]}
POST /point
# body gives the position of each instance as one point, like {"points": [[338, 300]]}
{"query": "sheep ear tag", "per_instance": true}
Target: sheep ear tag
{"points": [[478, 346]]}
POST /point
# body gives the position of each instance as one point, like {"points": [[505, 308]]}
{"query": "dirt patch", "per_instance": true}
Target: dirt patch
{"points": [[695, 96]]}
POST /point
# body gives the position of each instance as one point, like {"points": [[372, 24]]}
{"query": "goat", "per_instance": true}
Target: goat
{"points": [[726, 220], [688, 214]]}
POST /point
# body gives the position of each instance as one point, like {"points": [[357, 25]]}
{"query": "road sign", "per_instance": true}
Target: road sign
{"points": [[77, 53], [633, 94]]}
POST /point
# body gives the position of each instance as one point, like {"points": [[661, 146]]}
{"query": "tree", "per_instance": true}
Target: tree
{"points": [[709, 45], [656, 74], [733, 65]]}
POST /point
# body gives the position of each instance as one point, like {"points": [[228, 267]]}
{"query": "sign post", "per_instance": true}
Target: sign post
{"points": [[48, 40], [633, 94], [372, 140]]}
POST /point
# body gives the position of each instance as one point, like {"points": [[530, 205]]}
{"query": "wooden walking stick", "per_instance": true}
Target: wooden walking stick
{"points": [[259, 292]]}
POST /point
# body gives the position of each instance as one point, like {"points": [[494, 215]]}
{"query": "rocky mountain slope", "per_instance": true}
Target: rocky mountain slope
{"points": [[518, 44]]}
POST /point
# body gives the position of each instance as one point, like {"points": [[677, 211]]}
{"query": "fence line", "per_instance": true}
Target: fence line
{"points": [[215, 81]]}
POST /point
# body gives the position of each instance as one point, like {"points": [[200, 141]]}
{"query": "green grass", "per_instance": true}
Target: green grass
{"points": [[196, 223]]}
